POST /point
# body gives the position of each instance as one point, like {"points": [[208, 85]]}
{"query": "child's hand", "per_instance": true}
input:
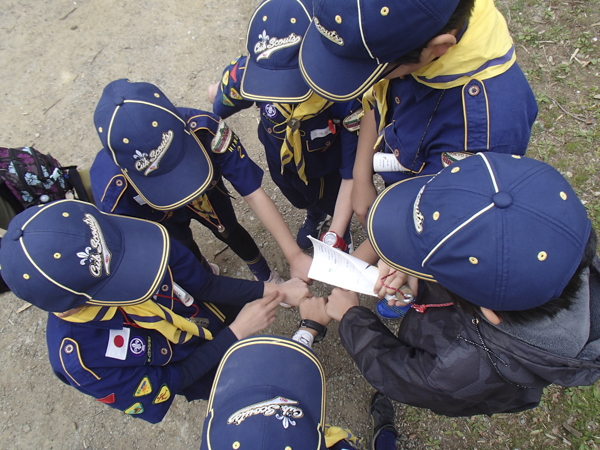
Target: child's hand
{"points": [[256, 315], [211, 92], [339, 302]]}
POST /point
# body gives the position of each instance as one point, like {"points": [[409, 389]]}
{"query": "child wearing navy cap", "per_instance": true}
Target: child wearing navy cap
{"points": [[310, 143], [167, 164], [440, 79], [501, 254], [134, 317]]}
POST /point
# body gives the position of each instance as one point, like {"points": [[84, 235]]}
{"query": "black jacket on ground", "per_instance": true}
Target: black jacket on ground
{"points": [[459, 364]]}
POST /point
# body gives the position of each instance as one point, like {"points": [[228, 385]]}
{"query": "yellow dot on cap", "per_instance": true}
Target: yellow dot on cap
{"points": [[473, 260], [236, 445], [155, 124], [99, 129], [563, 195], [455, 169], [542, 256], [57, 256], [436, 215], [157, 95], [26, 276], [65, 214], [516, 156], [264, 18], [288, 448], [385, 11], [126, 141], [338, 19], [293, 20]]}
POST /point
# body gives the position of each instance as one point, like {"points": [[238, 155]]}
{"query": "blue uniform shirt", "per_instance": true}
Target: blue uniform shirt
{"points": [[328, 140], [427, 129], [137, 370]]}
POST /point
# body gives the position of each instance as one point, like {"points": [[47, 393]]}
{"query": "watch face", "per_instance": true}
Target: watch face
{"points": [[330, 239]]}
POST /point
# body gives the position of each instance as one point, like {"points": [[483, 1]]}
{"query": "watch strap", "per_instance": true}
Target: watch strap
{"points": [[320, 329]]}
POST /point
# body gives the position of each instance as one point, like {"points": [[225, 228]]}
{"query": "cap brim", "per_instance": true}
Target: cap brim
{"points": [[280, 86], [258, 369], [145, 256], [334, 78], [390, 226], [189, 178]]}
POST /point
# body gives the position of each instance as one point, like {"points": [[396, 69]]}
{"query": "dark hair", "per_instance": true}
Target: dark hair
{"points": [[458, 18], [548, 309]]}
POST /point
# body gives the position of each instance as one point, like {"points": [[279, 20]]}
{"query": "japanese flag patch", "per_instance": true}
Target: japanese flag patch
{"points": [[118, 343], [222, 139]]}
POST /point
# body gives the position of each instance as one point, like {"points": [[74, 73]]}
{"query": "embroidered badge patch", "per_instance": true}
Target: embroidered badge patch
{"points": [[222, 139], [164, 394], [226, 101], [352, 122], [270, 110], [331, 35], [97, 255], [148, 162], [234, 94], [282, 408], [449, 158], [137, 346], [134, 409], [225, 79], [234, 71], [144, 388], [118, 341], [108, 399], [266, 46]]}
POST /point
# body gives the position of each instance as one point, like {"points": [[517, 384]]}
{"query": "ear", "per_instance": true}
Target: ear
{"points": [[439, 45]]}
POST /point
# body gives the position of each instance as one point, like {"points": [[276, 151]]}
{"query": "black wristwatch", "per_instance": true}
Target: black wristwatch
{"points": [[306, 323]]}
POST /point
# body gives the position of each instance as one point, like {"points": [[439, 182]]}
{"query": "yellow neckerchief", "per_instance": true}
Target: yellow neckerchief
{"points": [[292, 144], [484, 51], [175, 328]]}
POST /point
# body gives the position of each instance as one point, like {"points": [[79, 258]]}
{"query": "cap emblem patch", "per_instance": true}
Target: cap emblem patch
{"points": [[417, 216], [283, 408], [102, 255], [331, 35], [267, 46], [449, 158], [149, 162]]}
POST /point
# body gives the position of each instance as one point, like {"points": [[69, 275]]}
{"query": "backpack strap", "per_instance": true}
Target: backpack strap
{"points": [[74, 177]]}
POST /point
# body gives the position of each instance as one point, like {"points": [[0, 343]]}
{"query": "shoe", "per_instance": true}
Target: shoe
{"points": [[382, 417], [215, 269], [384, 311], [310, 227]]}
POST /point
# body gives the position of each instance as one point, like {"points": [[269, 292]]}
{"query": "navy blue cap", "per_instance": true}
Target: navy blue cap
{"points": [[66, 254], [273, 42], [348, 45], [146, 137], [268, 393], [502, 231]]}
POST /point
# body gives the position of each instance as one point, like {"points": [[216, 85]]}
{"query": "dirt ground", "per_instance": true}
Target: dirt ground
{"points": [[56, 57]]}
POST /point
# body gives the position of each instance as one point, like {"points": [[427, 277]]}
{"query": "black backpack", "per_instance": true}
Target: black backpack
{"points": [[32, 178]]}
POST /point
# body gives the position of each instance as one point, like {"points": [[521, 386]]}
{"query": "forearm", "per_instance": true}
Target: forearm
{"points": [[363, 189], [366, 253], [343, 208], [271, 218], [229, 291]]}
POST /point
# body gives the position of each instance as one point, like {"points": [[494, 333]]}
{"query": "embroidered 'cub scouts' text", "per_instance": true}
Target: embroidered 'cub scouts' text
{"points": [[267, 46], [331, 35], [284, 407], [222, 139], [102, 256], [149, 162]]}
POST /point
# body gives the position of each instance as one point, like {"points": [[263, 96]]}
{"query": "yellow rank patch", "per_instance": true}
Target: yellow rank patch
{"points": [[163, 395], [144, 388], [134, 409], [225, 79], [234, 94], [235, 60]]}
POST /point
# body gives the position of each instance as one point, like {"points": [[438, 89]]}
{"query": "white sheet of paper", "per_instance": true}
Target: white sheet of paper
{"points": [[333, 266]]}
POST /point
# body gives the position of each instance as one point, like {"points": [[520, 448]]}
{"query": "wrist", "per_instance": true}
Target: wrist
{"points": [[320, 330], [332, 239]]}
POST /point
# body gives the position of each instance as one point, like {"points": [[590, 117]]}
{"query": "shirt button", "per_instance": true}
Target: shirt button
{"points": [[164, 351], [474, 91], [164, 288], [270, 131], [119, 183], [193, 124], [68, 349], [396, 153], [327, 144], [397, 100]]}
